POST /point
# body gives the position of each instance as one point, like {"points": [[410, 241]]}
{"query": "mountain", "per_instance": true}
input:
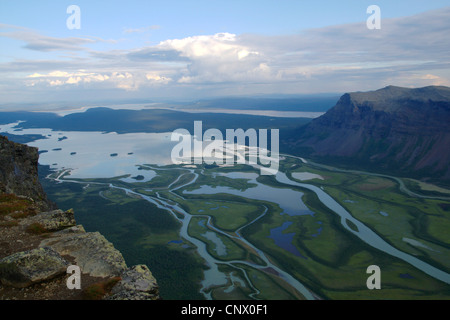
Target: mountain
{"points": [[313, 102], [152, 120], [392, 130]]}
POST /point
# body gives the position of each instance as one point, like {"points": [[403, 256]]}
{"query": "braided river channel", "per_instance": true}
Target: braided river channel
{"points": [[107, 155]]}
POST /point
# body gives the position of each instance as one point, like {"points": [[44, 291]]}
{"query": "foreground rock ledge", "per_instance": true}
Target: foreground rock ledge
{"points": [[38, 242], [137, 283], [23, 269], [91, 251], [63, 243]]}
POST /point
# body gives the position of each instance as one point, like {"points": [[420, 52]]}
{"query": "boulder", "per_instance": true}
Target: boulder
{"points": [[23, 269], [137, 283], [53, 220], [91, 251]]}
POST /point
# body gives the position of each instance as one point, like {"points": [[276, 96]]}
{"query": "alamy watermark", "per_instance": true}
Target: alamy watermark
{"points": [[374, 281], [211, 148], [74, 281], [374, 21], [74, 20]]}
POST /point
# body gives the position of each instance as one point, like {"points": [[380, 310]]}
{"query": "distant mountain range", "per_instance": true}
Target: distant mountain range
{"points": [[309, 103], [393, 129], [151, 120]]}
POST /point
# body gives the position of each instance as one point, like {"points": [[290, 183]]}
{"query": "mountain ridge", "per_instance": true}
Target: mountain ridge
{"points": [[391, 129]]}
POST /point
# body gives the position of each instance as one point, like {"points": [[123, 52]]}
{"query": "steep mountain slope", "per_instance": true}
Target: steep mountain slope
{"points": [[393, 129]]}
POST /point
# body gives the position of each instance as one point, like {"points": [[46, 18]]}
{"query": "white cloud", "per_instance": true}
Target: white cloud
{"points": [[216, 58], [121, 80], [406, 51], [221, 46], [59, 78], [155, 78]]}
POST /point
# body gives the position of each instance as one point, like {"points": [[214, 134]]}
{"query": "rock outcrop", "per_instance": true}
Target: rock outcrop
{"points": [[18, 172], [393, 129], [90, 250], [23, 269], [136, 283], [38, 243]]}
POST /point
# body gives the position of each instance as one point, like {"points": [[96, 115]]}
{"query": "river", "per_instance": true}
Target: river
{"points": [[76, 154]]}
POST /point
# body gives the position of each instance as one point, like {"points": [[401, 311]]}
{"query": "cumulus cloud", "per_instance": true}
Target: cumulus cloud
{"points": [[122, 80], [406, 51], [155, 78], [58, 78], [343, 53], [218, 58], [220, 46]]}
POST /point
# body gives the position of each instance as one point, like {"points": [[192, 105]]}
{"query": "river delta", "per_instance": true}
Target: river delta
{"points": [[308, 232]]}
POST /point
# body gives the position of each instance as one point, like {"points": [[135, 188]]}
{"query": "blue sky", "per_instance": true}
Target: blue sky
{"points": [[200, 49]]}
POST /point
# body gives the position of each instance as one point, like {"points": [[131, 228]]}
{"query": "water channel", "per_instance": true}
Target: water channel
{"points": [[76, 154]]}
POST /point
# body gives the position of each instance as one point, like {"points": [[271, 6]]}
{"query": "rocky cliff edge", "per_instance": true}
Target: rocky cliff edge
{"points": [[42, 247]]}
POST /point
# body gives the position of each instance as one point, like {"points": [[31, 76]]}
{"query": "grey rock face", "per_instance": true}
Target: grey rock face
{"points": [[19, 172], [92, 252], [137, 283], [23, 269], [53, 220], [391, 129]]}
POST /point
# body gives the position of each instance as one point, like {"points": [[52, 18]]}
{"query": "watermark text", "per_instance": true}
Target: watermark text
{"points": [[211, 148]]}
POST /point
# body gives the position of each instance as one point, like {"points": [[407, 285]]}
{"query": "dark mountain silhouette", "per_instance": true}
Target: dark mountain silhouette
{"points": [[394, 129]]}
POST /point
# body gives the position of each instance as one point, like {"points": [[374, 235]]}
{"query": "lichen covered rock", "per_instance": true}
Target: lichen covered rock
{"points": [[25, 268], [137, 283], [53, 220], [91, 251]]}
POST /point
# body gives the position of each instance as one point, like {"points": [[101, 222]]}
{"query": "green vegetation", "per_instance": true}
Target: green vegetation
{"points": [[269, 285], [426, 188], [138, 229], [227, 215], [218, 246], [332, 262], [98, 290], [36, 228], [15, 208], [9, 224], [10, 203]]}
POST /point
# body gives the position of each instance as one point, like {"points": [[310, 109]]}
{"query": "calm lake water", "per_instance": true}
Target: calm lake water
{"points": [[290, 201], [89, 154], [284, 240]]}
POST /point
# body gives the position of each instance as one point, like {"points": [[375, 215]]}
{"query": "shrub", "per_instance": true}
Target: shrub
{"points": [[9, 224], [36, 228], [10, 203], [98, 290]]}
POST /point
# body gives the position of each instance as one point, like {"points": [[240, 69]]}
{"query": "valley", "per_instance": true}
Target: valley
{"points": [[232, 245], [229, 232], [241, 151], [209, 230]]}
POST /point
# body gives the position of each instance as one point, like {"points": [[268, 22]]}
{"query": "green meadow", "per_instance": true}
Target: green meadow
{"points": [[331, 262]]}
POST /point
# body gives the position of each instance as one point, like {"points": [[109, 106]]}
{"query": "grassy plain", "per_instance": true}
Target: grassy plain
{"points": [[332, 261]]}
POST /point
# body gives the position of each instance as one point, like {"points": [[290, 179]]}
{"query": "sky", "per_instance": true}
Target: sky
{"points": [[191, 50]]}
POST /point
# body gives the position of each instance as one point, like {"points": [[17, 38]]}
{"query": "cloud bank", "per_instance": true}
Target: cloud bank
{"points": [[407, 51]]}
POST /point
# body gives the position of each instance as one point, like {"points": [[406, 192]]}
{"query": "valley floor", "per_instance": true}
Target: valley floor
{"points": [[206, 234]]}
